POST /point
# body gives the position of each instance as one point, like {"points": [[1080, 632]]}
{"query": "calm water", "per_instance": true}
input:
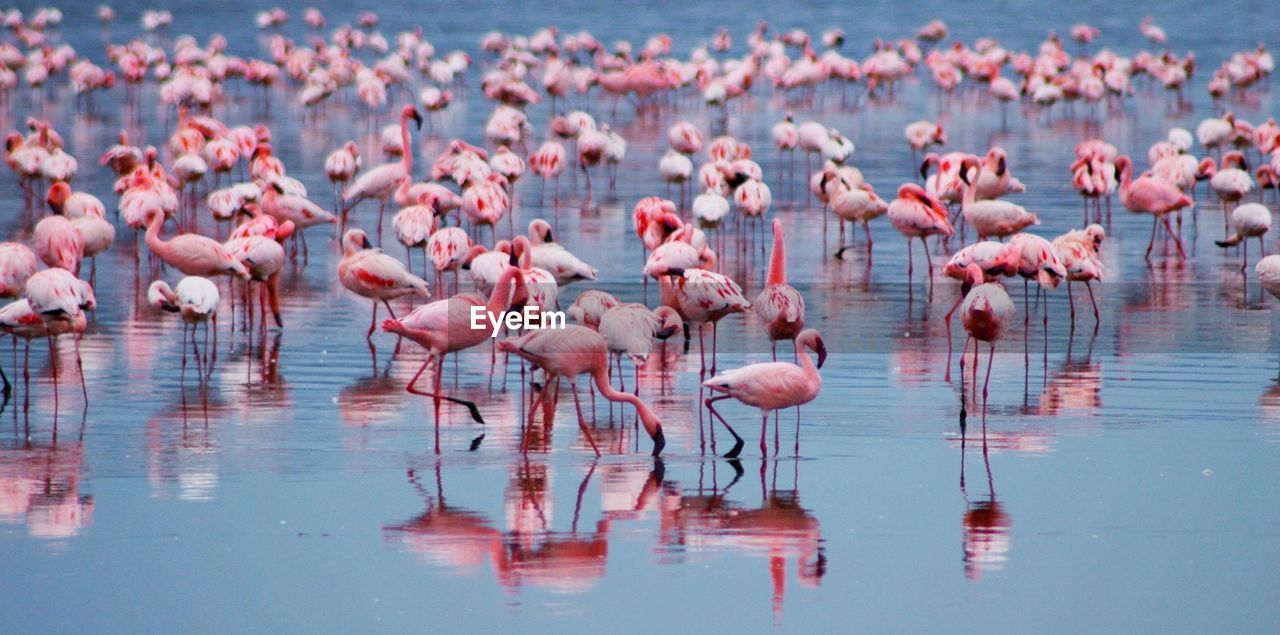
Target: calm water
{"points": [[1126, 481]]}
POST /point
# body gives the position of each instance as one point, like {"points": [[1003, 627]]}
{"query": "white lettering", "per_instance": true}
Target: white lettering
{"points": [[529, 318]]}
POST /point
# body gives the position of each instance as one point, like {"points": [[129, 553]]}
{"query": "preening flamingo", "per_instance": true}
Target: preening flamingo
{"points": [[916, 214], [196, 299]]}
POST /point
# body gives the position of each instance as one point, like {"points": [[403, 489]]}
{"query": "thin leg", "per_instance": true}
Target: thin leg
{"points": [[737, 440], [582, 421]]}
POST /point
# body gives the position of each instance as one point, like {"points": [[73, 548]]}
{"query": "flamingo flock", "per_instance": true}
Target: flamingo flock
{"points": [[217, 206]]}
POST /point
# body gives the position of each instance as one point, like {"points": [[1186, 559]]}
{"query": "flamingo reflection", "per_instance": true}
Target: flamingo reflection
{"points": [[41, 487], [987, 526]]}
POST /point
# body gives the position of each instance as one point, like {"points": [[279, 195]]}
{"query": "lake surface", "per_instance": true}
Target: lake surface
{"points": [[1123, 480]]}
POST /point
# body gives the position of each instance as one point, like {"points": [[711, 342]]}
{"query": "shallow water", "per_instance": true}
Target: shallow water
{"points": [[1122, 480]]}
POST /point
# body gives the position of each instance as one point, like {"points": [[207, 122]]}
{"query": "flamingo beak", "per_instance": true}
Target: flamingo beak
{"points": [[417, 118], [365, 242], [548, 237], [672, 271], [822, 351], [666, 332], [1001, 167]]}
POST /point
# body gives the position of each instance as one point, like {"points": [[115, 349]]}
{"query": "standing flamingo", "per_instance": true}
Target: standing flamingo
{"points": [[1149, 195], [370, 273], [779, 306], [381, 182], [196, 300], [577, 350], [917, 215], [60, 300], [986, 314], [770, 386], [445, 326], [629, 329], [192, 254], [341, 166], [1251, 220]]}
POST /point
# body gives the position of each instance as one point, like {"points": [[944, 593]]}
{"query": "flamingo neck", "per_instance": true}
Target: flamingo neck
{"points": [[647, 417], [971, 190], [154, 243], [500, 297], [778, 261], [406, 143]]}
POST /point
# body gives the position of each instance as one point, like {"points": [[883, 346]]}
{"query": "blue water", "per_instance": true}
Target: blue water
{"points": [[1126, 482]]}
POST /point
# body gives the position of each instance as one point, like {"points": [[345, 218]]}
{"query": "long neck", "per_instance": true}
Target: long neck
{"points": [[647, 417], [500, 297], [153, 234], [405, 142], [778, 261], [970, 191]]}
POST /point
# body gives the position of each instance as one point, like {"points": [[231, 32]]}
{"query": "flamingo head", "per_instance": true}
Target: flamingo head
{"points": [[355, 240], [970, 162], [540, 231], [161, 296], [669, 322], [812, 339], [411, 112]]}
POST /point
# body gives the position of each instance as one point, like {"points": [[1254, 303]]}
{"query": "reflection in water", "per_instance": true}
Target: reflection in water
{"points": [[40, 486], [987, 527], [181, 450], [530, 551]]}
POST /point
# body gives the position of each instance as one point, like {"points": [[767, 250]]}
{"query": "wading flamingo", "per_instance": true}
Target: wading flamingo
{"points": [[770, 386]]}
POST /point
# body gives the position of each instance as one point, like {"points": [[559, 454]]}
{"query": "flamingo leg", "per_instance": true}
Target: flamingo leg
{"points": [[471, 406], [991, 356], [764, 428], [946, 319], [737, 440], [582, 421]]}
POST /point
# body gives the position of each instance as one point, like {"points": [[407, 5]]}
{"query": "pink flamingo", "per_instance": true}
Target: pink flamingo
{"points": [[486, 202], [990, 217], [1078, 250], [381, 182], [449, 249], [548, 162], [1149, 195], [702, 297], [629, 329], [192, 254], [370, 273], [263, 256], [986, 313], [196, 300], [60, 300], [917, 215], [17, 264], [770, 386], [444, 326], [340, 167], [779, 306], [58, 243], [577, 350], [996, 260]]}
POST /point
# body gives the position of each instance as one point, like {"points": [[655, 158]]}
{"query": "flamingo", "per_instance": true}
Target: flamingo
{"points": [[552, 256], [413, 226], [770, 386], [60, 300], [302, 211], [1078, 251], [710, 208], [922, 134], [196, 299], [263, 256], [340, 167], [192, 254], [17, 264], [629, 329], [548, 162], [779, 306], [445, 326], [370, 273], [577, 350], [990, 217], [985, 314], [590, 306], [486, 202], [1251, 220], [1149, 195], [58, 243], [381, 182], [1231, 182], [857, 204], [449, 249], [917, 215], [675, 167], [702, 297]]}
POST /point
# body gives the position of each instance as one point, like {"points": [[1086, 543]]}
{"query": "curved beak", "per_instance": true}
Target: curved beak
{"points": [[666, 332], [1001, 167], [417, 118], [548, 237], [366, 243], [822, 352]]}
